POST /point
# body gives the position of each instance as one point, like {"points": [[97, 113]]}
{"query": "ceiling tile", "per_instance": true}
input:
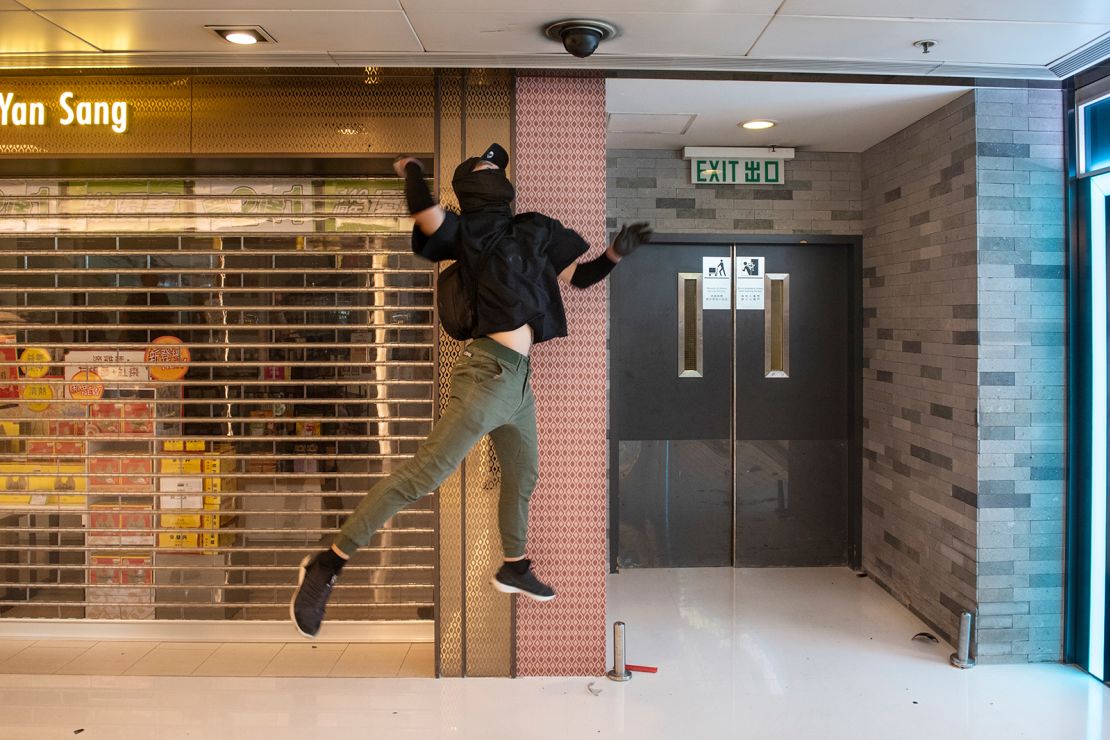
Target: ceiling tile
{"points": [[1060, 11], [294, 31], [600, 9], [23, 32], [649, 123], [318, 5], [968, 42], [643, 33], [836, 117]]}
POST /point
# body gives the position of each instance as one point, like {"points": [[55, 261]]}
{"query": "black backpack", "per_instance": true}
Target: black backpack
{"points": [[457, 298]]}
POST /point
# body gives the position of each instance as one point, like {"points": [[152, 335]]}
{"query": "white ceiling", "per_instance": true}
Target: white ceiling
{"points": [[1000, 38], [815, 116]]}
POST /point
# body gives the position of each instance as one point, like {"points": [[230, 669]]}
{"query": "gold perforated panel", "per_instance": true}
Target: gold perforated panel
{"points": [[389, 112], [489, 612], [450, 596], [157, 120], [475, 109]]}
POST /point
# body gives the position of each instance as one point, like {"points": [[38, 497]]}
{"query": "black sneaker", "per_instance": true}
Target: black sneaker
{"points": [[509, 581], [310, 599]]}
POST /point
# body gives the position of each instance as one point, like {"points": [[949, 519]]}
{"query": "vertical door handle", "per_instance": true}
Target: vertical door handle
{"points": [[689, 325], [776, 326]]}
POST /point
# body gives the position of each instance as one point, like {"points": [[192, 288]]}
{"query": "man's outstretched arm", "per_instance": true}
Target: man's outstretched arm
{"points": [[628, 240], [427, 214]]}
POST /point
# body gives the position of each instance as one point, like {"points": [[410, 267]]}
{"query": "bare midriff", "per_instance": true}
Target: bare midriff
{"points": [[519, 340]]}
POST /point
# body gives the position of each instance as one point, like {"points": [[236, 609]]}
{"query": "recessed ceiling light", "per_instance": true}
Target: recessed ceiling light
{"points": [[242, 35], [757, 125]]}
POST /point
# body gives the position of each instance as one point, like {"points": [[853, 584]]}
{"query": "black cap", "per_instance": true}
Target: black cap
{"points": [[496, 154]]}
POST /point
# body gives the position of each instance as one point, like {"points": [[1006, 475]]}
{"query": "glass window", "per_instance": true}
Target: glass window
{"points": [[1095, 133]]}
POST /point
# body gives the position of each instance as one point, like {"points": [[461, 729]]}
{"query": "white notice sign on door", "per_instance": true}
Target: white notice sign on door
{"points": [[715, 282], [749, 283]]}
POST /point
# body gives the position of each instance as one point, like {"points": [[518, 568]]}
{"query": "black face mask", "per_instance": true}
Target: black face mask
{"points": [[485, 191]]}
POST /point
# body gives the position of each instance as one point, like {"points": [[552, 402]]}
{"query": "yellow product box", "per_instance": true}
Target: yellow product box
{"points": [[181, 521], [213, 540], [67, 499], [9, 437], [178, 539], [218, 465], [216, 484], [16, 499], [180, 465], [46, 477], [183, 445]]}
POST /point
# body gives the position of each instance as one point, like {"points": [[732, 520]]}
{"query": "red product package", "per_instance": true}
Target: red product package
{"points": [[40, 447], [104, 472], [136, 471], [137, 418], [67, 428], [9, 370], [69, 448], [105, 417]]}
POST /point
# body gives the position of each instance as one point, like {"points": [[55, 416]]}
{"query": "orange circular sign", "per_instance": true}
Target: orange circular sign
{"points": [[86, 385], [167, 358]]}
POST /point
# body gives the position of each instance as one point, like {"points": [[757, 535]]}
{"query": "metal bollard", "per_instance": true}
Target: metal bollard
{"points": [[962, 657], [619, 672]]}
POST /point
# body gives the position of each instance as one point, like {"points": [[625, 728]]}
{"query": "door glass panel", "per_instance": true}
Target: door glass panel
{"points": [[670, 457], [791, 502], [676, 504], [793, 412]]}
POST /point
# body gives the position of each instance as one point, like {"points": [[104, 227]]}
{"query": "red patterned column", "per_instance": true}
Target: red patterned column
{"points": [[560, 171]]}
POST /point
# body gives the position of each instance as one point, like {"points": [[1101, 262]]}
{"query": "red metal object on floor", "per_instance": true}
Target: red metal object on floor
{"points": [[641, 668]]}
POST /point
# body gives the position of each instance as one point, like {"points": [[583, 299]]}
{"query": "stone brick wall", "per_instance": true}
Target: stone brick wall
{"points": [[964, 386], [1022, 374], [920, 363], [821, 196]]}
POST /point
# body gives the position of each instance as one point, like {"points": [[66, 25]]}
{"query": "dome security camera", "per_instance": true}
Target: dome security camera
{"points": [[580, 37]]}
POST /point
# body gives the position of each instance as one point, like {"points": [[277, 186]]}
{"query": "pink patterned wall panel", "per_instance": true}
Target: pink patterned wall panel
{"points": [[560, 171]]}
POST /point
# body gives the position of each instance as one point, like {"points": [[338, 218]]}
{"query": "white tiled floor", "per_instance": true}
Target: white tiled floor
{"points": [[813, 654]]}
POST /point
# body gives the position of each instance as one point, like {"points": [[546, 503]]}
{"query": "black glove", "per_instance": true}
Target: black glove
{"points": [[417, 195], [630, 238]]}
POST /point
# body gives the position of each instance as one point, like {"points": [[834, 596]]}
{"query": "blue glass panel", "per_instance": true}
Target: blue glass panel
{"points": [[1096, 124]]}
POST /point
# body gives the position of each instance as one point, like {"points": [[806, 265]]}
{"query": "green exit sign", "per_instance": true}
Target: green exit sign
{"points": [[737, 171]]}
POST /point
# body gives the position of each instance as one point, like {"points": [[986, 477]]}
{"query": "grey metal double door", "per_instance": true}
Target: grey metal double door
{"points": [[735, 405]]}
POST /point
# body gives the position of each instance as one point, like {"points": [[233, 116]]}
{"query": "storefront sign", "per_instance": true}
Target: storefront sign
{"points": [[34, 362], [362, 205], [86, 385], [109, 113], [281, 205], [737, 171], [168, 358], [110, 365]]}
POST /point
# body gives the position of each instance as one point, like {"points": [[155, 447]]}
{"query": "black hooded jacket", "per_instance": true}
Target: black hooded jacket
{"points": [[523, 254]]}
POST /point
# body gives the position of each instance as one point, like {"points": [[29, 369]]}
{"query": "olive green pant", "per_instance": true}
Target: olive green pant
{"points": [[490, 394]]}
